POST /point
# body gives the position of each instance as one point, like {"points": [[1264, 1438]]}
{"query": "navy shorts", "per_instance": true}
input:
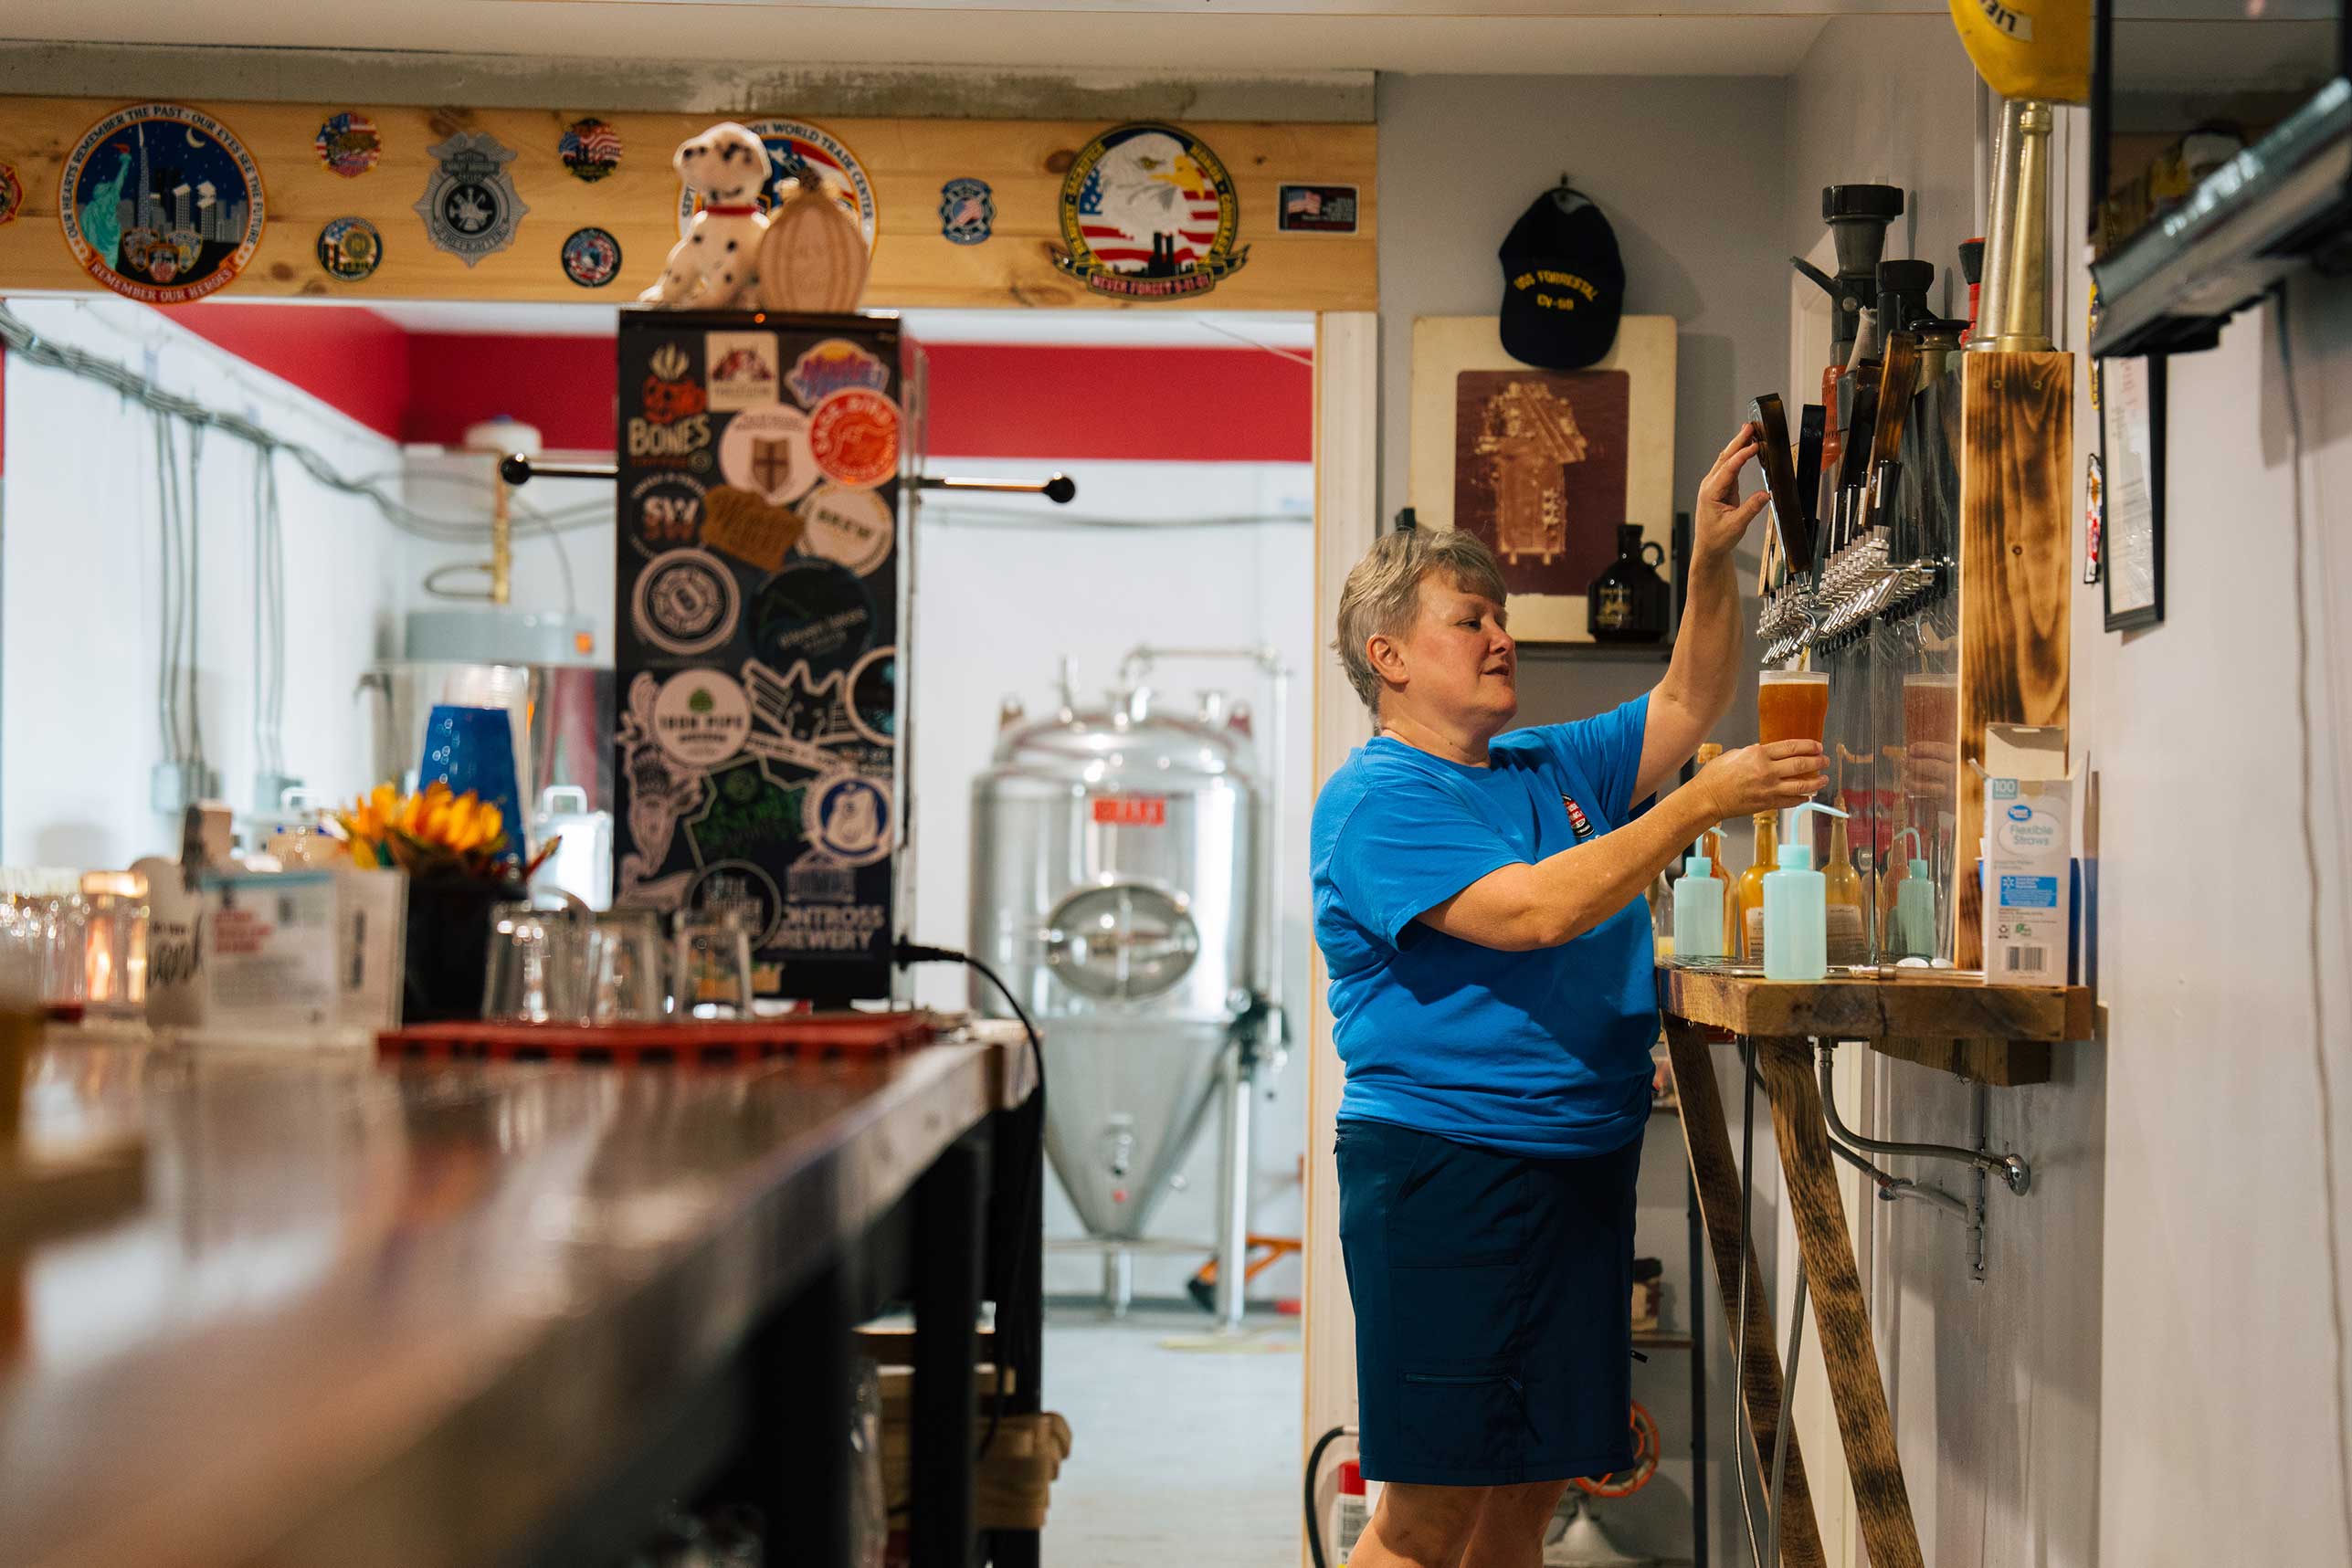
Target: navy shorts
{"points": [[1493, 1308]]}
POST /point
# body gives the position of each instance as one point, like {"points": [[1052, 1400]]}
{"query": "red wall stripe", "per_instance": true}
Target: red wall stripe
{"points": [[561, 386], [1207, 405], [987, 400], [348, 358]]}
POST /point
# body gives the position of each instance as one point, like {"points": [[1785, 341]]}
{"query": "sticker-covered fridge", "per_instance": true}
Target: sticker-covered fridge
{"points": [[765, 491]]}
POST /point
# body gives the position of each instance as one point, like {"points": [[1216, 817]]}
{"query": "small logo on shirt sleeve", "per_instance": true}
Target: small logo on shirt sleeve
{"points": [[1577, 818]]}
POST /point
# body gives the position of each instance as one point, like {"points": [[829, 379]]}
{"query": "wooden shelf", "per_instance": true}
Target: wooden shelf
{"points": [[1998, 1035], [1659, 1340]]}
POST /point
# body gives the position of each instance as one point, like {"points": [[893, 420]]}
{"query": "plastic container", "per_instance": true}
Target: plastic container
{"points": [[1351, 1512], [1698, 912], [1797, 908], [1914, 904]]}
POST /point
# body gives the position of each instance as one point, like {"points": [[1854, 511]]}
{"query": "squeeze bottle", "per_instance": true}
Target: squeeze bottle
{"points": [[1699, 911], [1797, 908], [1915, 903]]}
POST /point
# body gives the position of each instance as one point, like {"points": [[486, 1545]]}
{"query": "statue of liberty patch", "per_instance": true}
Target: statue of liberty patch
{"points": [[469, 207]]}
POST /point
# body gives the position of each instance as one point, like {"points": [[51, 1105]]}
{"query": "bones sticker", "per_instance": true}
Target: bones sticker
{"points": [[854, 436]]}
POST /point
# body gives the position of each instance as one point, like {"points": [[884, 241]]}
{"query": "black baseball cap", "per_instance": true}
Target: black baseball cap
{"points": [[1562, 283]]}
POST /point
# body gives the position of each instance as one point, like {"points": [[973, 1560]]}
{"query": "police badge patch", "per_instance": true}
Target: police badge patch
{"points": [[469, 207], [966, 214]]}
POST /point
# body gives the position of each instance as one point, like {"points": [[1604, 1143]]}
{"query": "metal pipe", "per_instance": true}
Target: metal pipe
{"points": [[2024, 271], [1780, 1436], [1890, 1187], [2011, 1168], [520, 469], [1233, 1185], [1061, 490]]}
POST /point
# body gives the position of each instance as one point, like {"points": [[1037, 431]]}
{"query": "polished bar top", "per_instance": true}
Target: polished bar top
{"points": [[399, 1315], [1912, 1004]]}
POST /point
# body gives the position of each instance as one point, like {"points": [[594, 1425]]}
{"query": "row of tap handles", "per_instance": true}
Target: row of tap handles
{"points": [[1865, 487]]}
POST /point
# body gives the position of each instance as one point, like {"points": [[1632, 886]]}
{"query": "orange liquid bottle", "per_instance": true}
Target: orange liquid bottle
{"points": [[1747, 898], [1843, 887]]}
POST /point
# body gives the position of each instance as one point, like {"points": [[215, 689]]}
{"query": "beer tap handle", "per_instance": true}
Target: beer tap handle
{"points": [[1827, 284]]}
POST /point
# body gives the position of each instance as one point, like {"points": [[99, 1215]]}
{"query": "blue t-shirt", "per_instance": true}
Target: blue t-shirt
{"points": [[1545, 1053]]}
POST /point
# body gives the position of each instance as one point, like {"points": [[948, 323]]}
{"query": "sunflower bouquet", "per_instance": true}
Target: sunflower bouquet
{"points": [[432, 832]]}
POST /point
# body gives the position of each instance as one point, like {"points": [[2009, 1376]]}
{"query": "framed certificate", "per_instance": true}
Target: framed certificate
{"points": [[2131, 446]]}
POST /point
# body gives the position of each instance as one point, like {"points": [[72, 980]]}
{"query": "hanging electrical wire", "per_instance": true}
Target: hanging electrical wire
{"points": [[268, 619], [29, 347]]}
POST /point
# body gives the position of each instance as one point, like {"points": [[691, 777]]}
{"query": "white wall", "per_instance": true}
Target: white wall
{"points": [[2229, 1105], [79, 732], [997, 607]]}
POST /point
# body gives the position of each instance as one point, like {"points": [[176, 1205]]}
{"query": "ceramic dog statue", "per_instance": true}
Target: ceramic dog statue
{"points": [[716, 266]]}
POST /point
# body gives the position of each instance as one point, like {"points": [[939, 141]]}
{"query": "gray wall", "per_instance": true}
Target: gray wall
{"points": [[1690, 171]]}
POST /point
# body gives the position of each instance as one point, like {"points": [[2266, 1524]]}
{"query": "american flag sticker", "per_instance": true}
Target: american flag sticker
{"points": [[591, 149], [1317, 209]]}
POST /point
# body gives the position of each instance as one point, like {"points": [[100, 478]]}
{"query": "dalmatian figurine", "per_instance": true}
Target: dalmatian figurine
{"points": [[716, 266]]}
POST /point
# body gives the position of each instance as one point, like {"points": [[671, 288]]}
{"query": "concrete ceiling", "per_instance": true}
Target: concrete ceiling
{"points": [[1181, 37]]}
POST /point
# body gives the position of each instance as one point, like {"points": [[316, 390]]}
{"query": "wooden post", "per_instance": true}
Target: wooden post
{"points": [[1716, 1176], [2016, 577], [1841, 1312]]}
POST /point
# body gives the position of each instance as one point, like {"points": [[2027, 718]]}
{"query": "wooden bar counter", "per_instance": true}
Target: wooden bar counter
{"points": [[1993, 1034]]}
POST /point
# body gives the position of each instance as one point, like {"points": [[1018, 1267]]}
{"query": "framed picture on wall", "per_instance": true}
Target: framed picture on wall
{"points": [[1544, 466], [2131, 456]]}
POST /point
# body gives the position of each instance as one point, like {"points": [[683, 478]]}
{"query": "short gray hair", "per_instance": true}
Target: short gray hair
{"points": [[1384, 590]]}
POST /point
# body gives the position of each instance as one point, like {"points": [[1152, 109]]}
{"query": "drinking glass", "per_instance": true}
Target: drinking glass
{"points": [[538, 965], [1791, 705], [625, 968], [714, 968]]}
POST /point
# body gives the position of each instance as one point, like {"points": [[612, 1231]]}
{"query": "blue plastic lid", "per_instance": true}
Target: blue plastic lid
{"points": [[1698, 866], [1918, 868], [1796, 856]]}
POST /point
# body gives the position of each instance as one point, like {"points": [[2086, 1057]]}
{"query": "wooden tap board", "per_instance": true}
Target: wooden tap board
{"points": [[908, 163]]}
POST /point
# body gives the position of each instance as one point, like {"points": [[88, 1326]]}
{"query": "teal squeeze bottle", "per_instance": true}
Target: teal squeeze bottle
{"points": [[1914, 904], [1698, 911], [1797, 908]]}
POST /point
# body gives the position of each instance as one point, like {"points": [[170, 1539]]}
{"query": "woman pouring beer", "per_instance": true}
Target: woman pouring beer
{"points": [[1479, 903]]}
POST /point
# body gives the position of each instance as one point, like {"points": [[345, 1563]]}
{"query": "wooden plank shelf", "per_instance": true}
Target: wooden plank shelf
{"points": [[1998, 1035]]}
